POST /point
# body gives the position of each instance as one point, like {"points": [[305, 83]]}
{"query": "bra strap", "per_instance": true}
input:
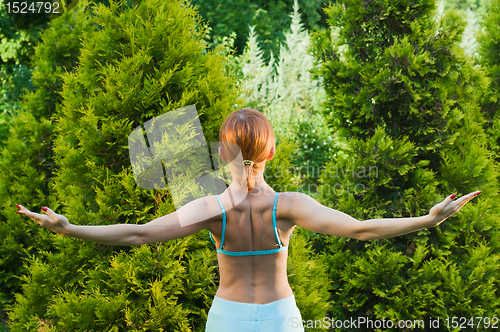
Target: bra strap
{"points": [[252, 253], [223, 222], [274, 221], [211, 237]]}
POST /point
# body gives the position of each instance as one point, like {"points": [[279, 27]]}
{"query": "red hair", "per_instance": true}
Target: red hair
{"points": [[251, 131]]}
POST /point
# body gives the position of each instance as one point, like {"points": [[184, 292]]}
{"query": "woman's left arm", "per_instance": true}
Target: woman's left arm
{"points": [[189, 219]]}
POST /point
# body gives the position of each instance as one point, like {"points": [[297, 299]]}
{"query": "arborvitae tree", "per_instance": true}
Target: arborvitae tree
{"points": [[142, 62], [20, 32], [489, 49], [27, 163], [406, 97], [139, 63]]}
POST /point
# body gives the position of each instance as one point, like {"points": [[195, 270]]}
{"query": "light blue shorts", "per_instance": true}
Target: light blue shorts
{"points": [[278, 316]]}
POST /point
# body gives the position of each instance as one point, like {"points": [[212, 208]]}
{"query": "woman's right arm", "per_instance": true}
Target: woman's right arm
{"points": [[189, 219], [308, 213]]}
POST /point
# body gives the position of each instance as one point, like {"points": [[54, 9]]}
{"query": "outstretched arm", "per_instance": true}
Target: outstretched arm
{"points": [[189, 219], [308, 213]]}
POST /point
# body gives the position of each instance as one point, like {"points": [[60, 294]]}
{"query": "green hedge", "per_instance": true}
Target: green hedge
{"points": [[407, 99], [27, 160]]}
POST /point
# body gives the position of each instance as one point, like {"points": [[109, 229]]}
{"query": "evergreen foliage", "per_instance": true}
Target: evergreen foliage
{"points": [[285, 91], [407, 99], [286, 84], [127, 73], [18, 36], [27, 163], [478, 6], [472, 17], [19, 33], [308, 277], [489, 50], [166, 287], [267, 17]]}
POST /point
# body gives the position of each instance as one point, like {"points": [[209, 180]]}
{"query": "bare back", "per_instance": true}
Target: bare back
{"points": [[249, 227]]}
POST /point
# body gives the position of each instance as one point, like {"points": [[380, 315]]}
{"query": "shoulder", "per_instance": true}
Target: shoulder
{"points": [[202, 210], [211, 207], [294, 196], [290, 203]]}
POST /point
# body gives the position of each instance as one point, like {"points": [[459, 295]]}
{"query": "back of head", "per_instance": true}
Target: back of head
{"points": [[252, 132]]}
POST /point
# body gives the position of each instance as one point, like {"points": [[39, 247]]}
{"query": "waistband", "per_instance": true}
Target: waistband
{"points": [[254, 311]]}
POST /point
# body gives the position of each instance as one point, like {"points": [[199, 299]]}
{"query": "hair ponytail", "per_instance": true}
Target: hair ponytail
{"points": [[249, 176]]}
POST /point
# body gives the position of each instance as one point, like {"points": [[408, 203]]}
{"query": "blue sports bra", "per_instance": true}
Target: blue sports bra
{"points": [[248, 253]]}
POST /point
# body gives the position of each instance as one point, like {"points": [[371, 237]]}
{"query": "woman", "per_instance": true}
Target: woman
{"points": [[251, 225]]}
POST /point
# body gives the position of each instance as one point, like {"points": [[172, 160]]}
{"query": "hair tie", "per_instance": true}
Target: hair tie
{"points": [[248, 162]]}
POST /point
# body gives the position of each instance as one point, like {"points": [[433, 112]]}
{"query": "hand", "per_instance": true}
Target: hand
{"points": [[449, 207], [51, 220]]}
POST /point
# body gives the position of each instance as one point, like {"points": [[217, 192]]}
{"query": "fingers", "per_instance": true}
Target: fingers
{"points": [[449, 206], [39, 218], [465, 199], [455, 206], [23, 210], [441, 206], [449, 199], [50, 213]]}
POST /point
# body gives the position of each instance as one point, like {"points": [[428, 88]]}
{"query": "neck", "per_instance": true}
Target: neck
{"points": [[241, 186]]}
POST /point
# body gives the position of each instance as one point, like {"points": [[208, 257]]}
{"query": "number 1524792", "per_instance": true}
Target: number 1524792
{"points": [[32, 8]]}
